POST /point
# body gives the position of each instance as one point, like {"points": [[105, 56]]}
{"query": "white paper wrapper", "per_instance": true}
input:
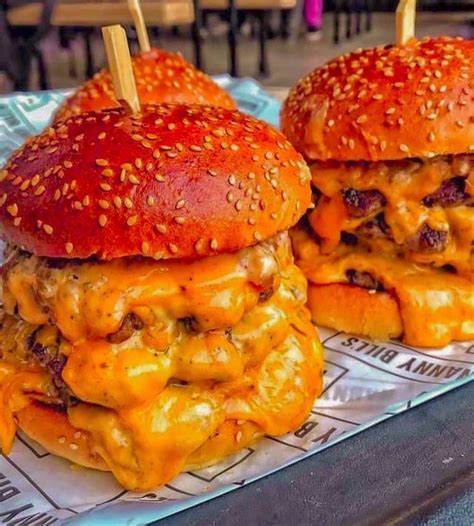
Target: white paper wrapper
{"points": [[365, 383]]}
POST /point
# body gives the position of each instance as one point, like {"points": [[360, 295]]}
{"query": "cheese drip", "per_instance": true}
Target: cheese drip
{"points": [[435, 306]]}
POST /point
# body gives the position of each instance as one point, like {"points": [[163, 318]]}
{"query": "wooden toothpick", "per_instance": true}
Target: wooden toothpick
{"points": [[405, 21], [120, 67], [140, 27]]}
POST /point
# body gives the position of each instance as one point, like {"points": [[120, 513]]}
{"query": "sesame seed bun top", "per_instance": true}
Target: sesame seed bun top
{"points": [[386, 103], [177, 181], [160, 76]]}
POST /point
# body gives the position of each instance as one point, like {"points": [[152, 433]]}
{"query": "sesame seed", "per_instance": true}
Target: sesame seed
{"points": [[138, 163], [232, 180], [101, 162], [107, 172], [73, 446], [48, 229], [13, 209], [195, 148], [103, 204], [17, 221], [460, 124], [257, 235], [173, 248], [86, 201], [390, 111], [212, 173], [133, 179], [105, 187], [432, 116], [361, 119], [117, 201], [150, 200], [145, 247], [161, 229], [69, 247], [383, 145], [132, 220], [251, 221], [180, 204], [180, 220], [127, 202], [35, 180], [431, 136], [213, 244], [404, 148], [102, 220], [102, 135], [62, 440], [77, 434]]}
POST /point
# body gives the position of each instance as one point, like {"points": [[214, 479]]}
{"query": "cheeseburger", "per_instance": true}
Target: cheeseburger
{"points": [[153, 318], [160, 76], [389, 136]]}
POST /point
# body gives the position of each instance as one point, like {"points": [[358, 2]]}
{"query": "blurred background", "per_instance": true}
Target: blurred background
{"points": [[49, 44]]}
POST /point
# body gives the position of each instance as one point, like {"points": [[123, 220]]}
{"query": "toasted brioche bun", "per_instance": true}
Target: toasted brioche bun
{"points": [[386, 103], [177, 181], [160, 76], [51, 429], [355, 310]]}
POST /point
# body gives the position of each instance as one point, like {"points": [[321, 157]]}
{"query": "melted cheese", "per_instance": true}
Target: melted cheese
{"points": [[435, 306], [161, 395], [90, 300], [148, 445], [404, 185]]}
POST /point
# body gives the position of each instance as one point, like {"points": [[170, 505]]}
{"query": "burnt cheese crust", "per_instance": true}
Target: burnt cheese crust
{"points": [[146, 368]]}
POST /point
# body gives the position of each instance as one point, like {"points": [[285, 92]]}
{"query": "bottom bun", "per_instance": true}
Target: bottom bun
{"points": [[50, 427], [352, 309]]}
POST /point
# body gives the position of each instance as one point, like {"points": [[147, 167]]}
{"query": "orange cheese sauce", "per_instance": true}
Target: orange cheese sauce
{"points": [[404, 184], [435, 305], [90, 300], [157, 401]]}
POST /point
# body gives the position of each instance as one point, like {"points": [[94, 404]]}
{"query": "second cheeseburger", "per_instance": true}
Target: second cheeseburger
{"points": [[389, 135], [153, 317]]}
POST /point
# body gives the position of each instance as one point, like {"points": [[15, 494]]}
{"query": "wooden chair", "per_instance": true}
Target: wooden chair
{"points": [[89, 14], [261, 10]]}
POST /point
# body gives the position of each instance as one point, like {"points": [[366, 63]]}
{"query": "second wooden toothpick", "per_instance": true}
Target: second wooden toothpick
{"points": [[120, 67], [140, 27]]}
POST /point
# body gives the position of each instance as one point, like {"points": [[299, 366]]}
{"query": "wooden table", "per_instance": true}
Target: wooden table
{"points": [[95, 13]]}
